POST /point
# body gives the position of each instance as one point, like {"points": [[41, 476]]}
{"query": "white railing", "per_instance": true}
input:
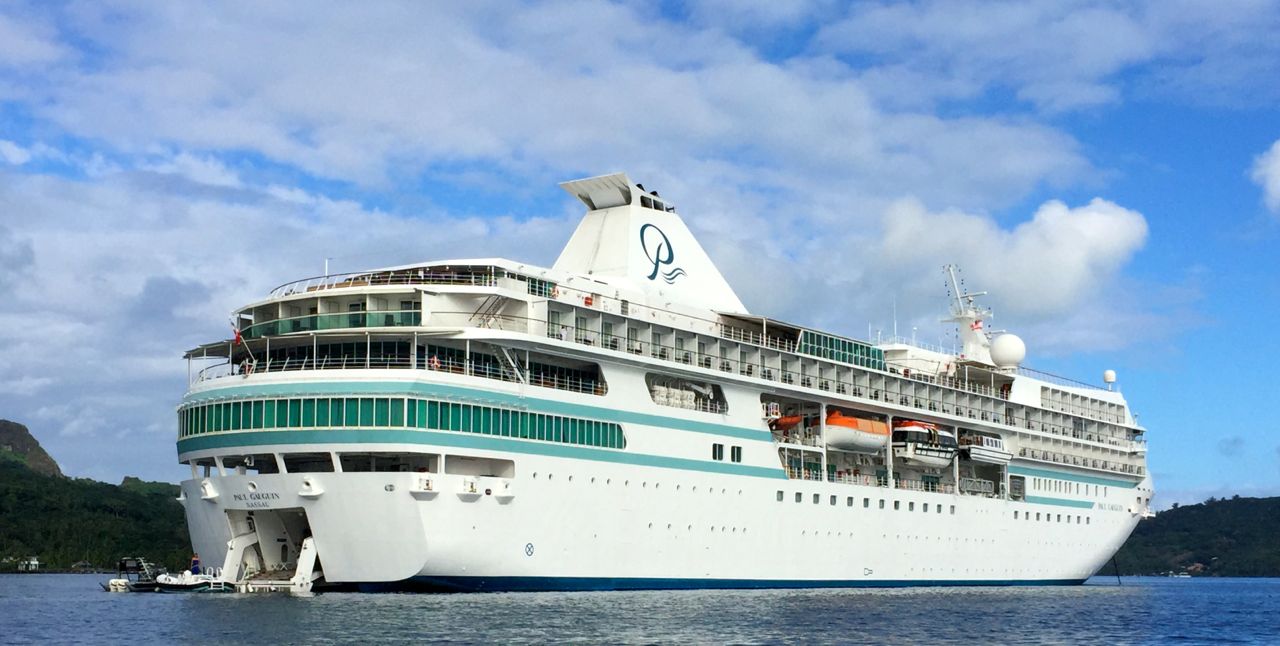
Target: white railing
{"points": [[375, 278], [1081, 461]]}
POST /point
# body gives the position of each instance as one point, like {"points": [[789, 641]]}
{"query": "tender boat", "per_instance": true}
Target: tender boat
{"points": [[922, 443], [984, 447], [857, 434], [134, 574], [187, 581]]}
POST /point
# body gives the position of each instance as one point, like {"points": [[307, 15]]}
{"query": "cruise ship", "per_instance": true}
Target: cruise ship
{"points": [[621, 421]]}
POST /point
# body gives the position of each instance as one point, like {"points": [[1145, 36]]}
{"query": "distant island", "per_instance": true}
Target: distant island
{"points": [[1218, 537], [77, 521]]}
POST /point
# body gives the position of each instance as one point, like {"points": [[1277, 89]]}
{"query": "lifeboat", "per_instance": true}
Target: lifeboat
{"points": [[923, 444], [785, 423], [856, 434]]}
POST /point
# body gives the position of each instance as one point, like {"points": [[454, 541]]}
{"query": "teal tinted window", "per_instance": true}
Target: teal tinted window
{"points": [[235, 416], [295, 413], [460, 417], [308, 413], [256, 414], [411, 413], [352, 416], [335, 411], [322, 412], [433, 415], [269, 413], [381, 417], [366, 411]]}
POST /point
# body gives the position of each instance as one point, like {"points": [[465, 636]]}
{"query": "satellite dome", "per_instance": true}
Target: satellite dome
{"points": [[1007, 351]]}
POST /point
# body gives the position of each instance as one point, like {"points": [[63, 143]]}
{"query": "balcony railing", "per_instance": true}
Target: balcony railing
{"points": [[345, 320], [485, 369], [1081, 461], [368, 278]]}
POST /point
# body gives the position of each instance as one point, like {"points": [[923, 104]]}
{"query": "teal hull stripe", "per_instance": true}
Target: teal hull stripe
{"points": [[467, 441], [1061, 502], [318, 389], [1048, 473]]}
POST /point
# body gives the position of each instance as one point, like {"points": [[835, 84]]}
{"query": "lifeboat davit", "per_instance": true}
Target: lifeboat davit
{"points": [[922, 443], [848, 433]]}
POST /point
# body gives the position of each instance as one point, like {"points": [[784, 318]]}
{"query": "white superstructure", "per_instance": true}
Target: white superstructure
{"points": [[621, 421]]}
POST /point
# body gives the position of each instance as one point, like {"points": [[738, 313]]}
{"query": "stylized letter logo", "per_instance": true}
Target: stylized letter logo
{"points": [[657, 248]]}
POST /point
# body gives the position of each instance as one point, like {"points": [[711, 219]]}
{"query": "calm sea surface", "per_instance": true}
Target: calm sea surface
{"points": [[72, 608]]}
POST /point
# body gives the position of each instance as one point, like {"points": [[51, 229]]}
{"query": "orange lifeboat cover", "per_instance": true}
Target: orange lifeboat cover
{"points": [[836, 418], [784, 423]]}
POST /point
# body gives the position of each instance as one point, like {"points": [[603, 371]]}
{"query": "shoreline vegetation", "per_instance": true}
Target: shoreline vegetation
{"points": [[76, 525]]}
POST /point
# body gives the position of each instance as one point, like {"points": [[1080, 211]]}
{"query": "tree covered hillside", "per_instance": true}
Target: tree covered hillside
{"points": [[64, 521], [1236, 537]]}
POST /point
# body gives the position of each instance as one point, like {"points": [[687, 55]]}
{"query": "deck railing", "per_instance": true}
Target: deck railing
{"points": [[687, 356], [476, 368], [334, 321], [374, 278]]}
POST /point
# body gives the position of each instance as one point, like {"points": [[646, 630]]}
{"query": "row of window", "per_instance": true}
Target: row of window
{"points": [[866, 503], [1063, 486], [395, 412], [838, 349], [717, 453], [1049, 518]]}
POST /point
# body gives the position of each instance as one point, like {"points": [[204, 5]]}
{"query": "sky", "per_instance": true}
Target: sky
{"points": [[1108, 171]]}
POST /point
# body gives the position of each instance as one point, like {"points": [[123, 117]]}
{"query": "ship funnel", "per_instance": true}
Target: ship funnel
{"points": [[632, 238]]}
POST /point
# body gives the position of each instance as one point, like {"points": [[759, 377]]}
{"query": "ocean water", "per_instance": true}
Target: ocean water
{"points": [[69, 608]]}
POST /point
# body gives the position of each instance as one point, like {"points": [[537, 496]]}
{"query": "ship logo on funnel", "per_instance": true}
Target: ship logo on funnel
{"points": [[657, 248]]}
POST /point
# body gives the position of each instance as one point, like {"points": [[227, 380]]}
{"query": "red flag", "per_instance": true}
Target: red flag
{"points": [[238, 340]]}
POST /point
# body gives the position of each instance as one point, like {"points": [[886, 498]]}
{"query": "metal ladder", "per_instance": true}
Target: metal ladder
{"points": [[510, 364], [488, 311]]}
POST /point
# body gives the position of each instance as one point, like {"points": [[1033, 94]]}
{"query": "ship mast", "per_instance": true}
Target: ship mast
{"points": [[968, 317]]}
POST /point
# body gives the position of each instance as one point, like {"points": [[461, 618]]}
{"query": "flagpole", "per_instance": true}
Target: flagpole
{"points": [[239, 340]]}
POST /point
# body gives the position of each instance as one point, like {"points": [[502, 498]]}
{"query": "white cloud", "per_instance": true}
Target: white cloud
{"points": [[1266, 173], [1042, 267], [25, 385], [26, 42], [525, 90], [1062, 55], [13, 154], [200, 169]]}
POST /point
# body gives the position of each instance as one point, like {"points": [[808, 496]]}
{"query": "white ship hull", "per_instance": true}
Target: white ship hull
{"points": [[585, 523]]}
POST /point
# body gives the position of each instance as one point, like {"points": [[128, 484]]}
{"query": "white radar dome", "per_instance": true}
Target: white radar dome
{"points": [[1007, 351], [1108, 376]]}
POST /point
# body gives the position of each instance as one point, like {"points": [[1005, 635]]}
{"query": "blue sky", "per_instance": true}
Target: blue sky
{"points": [[1109, 171]]}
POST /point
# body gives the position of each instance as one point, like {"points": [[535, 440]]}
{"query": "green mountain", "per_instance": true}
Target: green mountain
{"points": [[67, 520], [1235, 537], [17, 444]]}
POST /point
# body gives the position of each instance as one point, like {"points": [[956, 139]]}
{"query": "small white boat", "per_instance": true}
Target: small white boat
{"points": [[981, 447], [186, 581]]}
